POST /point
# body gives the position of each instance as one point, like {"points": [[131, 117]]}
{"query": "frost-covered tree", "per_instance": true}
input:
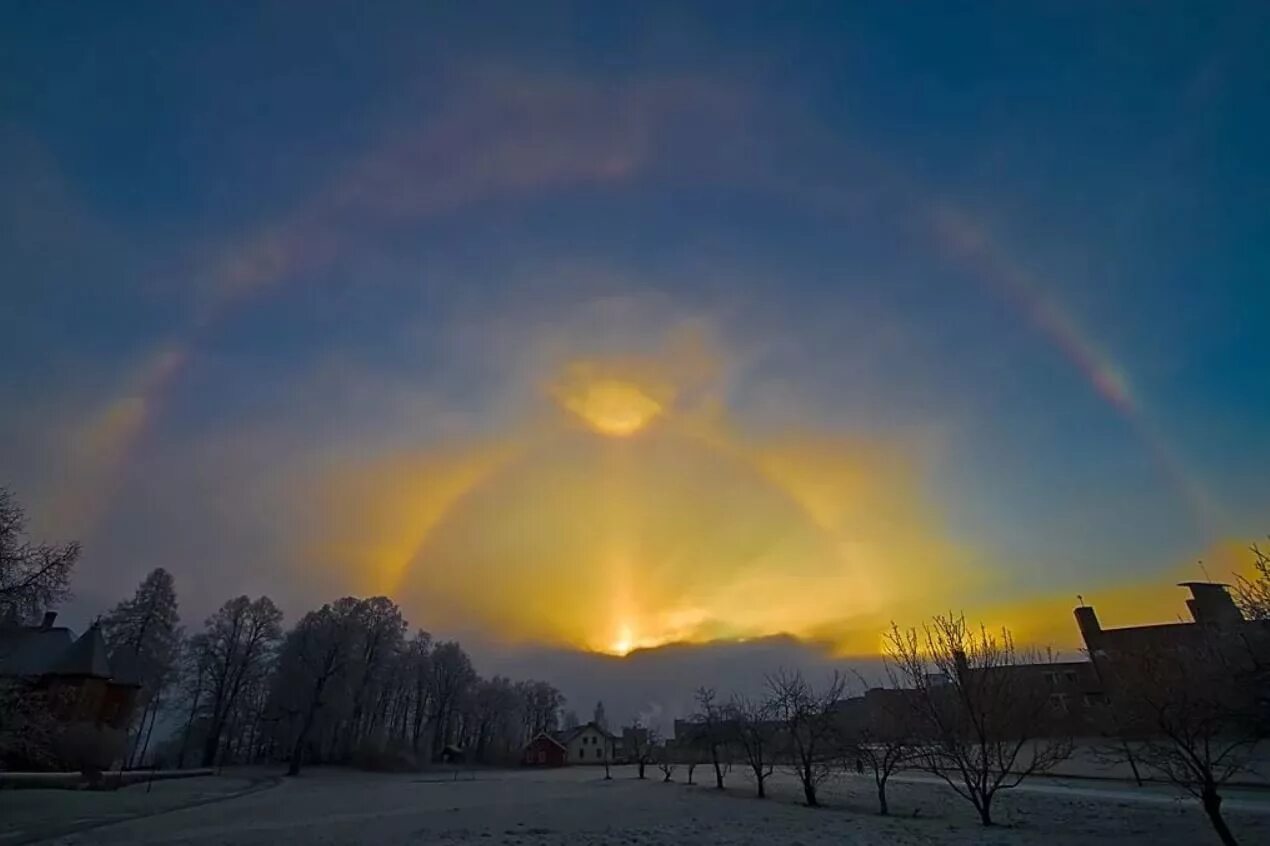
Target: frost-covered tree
{"points": [[985, 724], [811, 740], [144, 636], [33, 576], [237, 647]]}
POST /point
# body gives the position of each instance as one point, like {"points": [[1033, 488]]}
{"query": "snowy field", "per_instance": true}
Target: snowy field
{"points": [[577, 807]]}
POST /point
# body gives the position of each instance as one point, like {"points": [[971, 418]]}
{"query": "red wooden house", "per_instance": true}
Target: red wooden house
{"points": [[544, 751]]}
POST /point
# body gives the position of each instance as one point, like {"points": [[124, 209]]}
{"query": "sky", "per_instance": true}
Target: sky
{"points": [[596, 327]]}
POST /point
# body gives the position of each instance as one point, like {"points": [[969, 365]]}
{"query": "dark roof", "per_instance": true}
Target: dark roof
{"points": [[31, 650], [546, 736], [85, 657], [566, 735]]}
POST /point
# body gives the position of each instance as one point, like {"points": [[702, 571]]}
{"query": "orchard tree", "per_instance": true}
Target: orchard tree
{"points": [[882, 737], [809, 729], [755, 734], [1190, 715], [644, 742], [984, 717], [710, 720]]}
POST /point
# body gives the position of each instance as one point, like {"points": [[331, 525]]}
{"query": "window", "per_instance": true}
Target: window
{"points": [[581, 753], [1058, 703], [599, 753]]}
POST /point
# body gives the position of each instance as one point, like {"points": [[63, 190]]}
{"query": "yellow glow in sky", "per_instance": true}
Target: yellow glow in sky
{"points": [[689, 533], [692, 532], [611, 399], [613, 407]]}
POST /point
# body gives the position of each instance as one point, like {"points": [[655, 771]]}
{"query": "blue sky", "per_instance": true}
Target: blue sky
{"points": [[365, 229]]}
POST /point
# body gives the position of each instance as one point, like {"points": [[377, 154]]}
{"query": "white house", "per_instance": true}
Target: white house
{"points": [[586, 744]]}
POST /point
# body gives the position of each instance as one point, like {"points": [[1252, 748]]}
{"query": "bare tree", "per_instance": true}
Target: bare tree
{"points": [[452, 675], [193, 674], [381, 630], [984, 715], [239, 640], [881, 736], [666, 763], [644, 742], [33, 576], [810, 734], [144, 635], [1252, 595], [755, 734], [1189, 715], [316, 653], [542, 704], [710, 719], [418, 669]]}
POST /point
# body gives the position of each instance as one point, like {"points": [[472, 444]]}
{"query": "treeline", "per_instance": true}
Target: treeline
{"points": [[349, 683]]}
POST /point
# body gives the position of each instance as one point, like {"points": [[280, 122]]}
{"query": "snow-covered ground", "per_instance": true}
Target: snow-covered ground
{"points": [[577, 807]]}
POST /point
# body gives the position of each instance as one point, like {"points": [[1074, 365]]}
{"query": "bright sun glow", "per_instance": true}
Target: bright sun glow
{"points": [[611, 405], [697, 534], [624, 643]]}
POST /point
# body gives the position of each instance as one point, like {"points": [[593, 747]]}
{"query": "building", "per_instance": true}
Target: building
{"points": [[628, 745], [588, 744], [544, 751], [1212, 610], [1218, 640], [585, 744], [73, 676]]}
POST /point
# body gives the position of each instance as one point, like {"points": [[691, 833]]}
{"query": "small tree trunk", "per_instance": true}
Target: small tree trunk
{"points": [[154, 715], [1133, 762], [718, 774], [641, 769], [809, 793], [762, 786], [1212, 806], [883, 809], [985, 810]]}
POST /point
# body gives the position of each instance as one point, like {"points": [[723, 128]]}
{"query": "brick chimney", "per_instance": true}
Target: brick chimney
{"points": [[50, 617]]}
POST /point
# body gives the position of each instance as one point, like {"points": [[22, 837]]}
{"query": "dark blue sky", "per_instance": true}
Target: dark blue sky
{"points": [[1030, 245]]}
